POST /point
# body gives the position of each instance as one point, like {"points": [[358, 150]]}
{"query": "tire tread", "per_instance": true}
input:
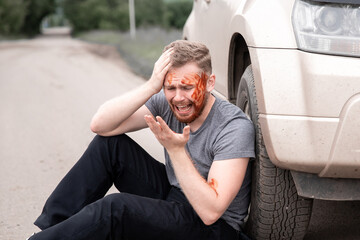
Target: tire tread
{"points": [[279, 212]]}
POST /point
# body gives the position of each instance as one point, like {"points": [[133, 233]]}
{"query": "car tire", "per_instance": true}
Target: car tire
{"points": [[276, 210]]}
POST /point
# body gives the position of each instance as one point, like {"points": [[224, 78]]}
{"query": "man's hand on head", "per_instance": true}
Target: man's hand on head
{"points": [[169, 139], [161, 68]]}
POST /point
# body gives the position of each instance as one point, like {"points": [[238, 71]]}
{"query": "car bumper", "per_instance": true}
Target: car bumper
{"points": [[309, 107]]}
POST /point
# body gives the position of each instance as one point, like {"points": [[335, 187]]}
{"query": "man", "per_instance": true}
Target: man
{"points": [[203, 190]]}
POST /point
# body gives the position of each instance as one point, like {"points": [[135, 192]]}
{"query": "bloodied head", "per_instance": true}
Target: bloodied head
{"points": [[186, 92], [186, 51], [185, 84]]}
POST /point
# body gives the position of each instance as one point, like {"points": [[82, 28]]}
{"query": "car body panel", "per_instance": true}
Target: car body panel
{"points": [[234, 17], [308, 102]]}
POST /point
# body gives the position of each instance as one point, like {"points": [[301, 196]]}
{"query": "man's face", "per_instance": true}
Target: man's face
{"points": [[185, 91]]}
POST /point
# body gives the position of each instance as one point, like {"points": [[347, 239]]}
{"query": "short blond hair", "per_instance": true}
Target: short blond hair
{"points": [[187, 51]]}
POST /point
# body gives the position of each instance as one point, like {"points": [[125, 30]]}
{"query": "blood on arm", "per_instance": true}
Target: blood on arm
{"points": [[213, 184]]}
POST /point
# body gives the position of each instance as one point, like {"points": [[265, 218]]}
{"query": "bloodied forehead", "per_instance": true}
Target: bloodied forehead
{"points": [[187, 74], [186, 79]]}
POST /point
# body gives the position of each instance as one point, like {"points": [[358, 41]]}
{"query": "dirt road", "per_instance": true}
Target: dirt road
{"points": [[49, 90]]}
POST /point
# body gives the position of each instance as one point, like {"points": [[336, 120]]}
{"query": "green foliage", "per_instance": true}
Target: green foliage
{"points": [[114, 14], [36, 10], [149, 13], [97, 14], [23, 16], [12, 16], [177, 13]]}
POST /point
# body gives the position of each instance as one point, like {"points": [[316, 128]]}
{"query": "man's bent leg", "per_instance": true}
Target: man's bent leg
{"points": [[107, 160], [127, 216]]}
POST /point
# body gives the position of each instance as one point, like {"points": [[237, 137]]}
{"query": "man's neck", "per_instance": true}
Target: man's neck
{"points": [[196, 124]]}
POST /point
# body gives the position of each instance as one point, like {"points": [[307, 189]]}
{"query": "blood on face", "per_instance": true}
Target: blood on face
{"points": [[170, 77], [198, 95]]}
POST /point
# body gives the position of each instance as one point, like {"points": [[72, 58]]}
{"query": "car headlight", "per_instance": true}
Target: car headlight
{"points": [[327, 28]]}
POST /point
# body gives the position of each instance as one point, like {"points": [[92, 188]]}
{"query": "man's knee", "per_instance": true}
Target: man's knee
{"points": [[112, 141], [116, 201], [112, 198], [108, 144], [118, 206], [102, 139]]}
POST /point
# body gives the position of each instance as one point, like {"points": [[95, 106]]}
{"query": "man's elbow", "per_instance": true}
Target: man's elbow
{"points": [[210, 218], [95, 126]]}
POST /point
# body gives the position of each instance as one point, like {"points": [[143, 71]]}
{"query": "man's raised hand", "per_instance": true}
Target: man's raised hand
{"points": [[169, 139], [160, 70]]}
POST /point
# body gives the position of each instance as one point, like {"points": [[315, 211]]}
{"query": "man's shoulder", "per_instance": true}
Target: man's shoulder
{"points": [[230, 118], [226, 110], [157, 104]]}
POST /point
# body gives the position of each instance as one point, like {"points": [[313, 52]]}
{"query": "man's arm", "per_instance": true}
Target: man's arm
{"points": [[126, 113], [211, 197]]}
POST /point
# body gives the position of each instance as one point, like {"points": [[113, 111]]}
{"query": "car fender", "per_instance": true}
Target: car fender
{"points": [[265, 24]]}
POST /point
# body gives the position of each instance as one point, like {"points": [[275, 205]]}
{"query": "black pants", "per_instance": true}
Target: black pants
{"points": [[147, 207]]}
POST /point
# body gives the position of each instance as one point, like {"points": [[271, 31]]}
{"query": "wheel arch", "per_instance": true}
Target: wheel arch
{"points": [[239, 59]]}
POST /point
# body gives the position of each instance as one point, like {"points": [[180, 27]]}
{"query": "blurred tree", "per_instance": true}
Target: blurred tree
{"points": [[12, 16], [177, 12], [114, 14], [36, 10], [26, 15], [149, 13], [97, 14]]}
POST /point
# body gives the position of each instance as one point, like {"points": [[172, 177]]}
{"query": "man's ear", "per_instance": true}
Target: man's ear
{"points": [[210, 83]]}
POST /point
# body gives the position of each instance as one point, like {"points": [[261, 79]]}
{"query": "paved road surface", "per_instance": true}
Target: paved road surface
{"points": [[49, 90]]}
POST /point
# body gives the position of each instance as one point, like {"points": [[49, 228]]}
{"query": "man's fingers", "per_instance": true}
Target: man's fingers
{"points": [[167, 137], [165, 65], [169, 51], [166, 68], [186, 132], [163, 125], [165, 56], [153, 125], [165, 60]]}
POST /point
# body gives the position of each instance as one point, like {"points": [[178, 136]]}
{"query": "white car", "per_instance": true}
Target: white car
{"points": [[294, 67]]}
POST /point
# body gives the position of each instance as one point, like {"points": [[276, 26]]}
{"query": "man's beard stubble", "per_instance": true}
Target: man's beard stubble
{"points": [[198, 111]]}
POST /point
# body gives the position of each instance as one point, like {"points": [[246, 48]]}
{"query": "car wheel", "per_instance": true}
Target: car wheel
{"points": [[276, 210]]}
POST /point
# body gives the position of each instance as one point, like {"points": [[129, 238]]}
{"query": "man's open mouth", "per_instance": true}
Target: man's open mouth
{"points": [[183, 108]]}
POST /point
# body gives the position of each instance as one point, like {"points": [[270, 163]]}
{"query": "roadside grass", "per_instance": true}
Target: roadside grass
{"points": [[140, 53]]}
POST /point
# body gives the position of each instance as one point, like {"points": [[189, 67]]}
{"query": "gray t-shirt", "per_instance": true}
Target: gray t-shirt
{"points": [[225, 134]]}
